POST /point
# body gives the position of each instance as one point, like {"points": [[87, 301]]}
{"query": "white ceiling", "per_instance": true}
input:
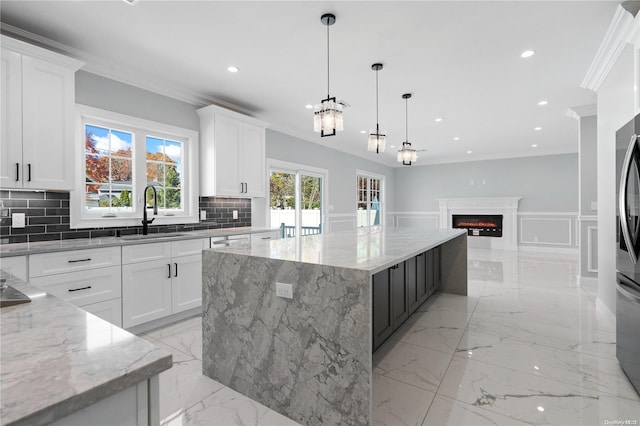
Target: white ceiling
{"points": [[460, 60]]}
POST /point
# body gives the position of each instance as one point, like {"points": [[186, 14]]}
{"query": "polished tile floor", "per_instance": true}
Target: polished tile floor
{"points": [[527, 346]]}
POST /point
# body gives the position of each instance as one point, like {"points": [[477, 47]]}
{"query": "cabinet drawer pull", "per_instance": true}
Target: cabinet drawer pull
{"points": [[17, 172], [266, 238], [169, 265], [81, 288], [80, 260], [29, 172]]}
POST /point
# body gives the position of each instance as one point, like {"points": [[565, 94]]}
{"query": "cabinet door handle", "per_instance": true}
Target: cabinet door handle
{"points": [[17, 172], [169, 266], [88, 259], [81, 288], [29, 172], [176, 272], [241, 187], [246, 187]]}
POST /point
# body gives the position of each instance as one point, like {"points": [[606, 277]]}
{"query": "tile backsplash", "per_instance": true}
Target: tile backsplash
{"points": [[47, 217]]}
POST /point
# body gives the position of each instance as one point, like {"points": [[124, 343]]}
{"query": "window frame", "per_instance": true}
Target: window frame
{"points": [[141, 128], [381, 201]]}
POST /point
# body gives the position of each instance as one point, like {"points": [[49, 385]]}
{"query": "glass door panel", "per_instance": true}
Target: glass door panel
{"points": [[311, 204], [282, 202]]}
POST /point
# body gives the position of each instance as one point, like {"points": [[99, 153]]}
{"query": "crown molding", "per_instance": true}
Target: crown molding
{"points": [[622, 29], [578, 112], [137, 78]]}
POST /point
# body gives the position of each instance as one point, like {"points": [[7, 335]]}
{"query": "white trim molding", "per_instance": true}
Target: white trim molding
{"points": [[582, 111], [592, 249], [622, 30]]}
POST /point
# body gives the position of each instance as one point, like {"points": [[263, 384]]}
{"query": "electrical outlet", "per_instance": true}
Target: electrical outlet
{"points": [[203, 215], [17, 220], [284, 290], [235, 215]]}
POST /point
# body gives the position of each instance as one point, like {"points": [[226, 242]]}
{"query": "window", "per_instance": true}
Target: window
{"points": [[369, 194], [296, 198], [120, 156]]}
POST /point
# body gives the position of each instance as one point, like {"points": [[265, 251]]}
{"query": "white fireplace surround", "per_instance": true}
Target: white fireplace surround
{"points": [[505, 206]]}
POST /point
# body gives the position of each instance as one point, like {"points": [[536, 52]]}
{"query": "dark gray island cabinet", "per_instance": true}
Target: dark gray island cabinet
{"points": [[399, 290], [293, 323]]}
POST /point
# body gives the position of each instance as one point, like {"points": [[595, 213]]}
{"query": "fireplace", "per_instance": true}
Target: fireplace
{"points": [[479, 225]]}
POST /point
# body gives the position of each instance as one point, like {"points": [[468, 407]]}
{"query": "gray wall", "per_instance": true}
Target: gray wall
{"points": [[100, 92], [588, 164], [342, 168], [545, 183]]}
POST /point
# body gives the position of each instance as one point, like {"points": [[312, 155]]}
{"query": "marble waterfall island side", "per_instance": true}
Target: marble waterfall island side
{"points": [[308, 357]]}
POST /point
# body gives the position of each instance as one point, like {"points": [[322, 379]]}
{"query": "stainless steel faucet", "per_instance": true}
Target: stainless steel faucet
{"points": [[145, 222]]}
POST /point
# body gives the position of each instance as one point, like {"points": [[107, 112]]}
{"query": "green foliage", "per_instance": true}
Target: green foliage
{"points": [[124, 200]]}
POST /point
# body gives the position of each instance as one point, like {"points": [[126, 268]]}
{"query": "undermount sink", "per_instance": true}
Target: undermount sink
{"points": [[150, 236]]}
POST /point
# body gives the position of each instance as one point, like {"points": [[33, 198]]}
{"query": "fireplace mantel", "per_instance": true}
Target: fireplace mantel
{"points": [[506, 206]]}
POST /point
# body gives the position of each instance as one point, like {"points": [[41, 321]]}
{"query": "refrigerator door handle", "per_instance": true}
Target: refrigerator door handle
{"points": [[622, 200], [625, 286]]}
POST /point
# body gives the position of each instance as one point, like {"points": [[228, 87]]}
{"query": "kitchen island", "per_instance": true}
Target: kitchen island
{"points": [[309, 357], [60, 365]]}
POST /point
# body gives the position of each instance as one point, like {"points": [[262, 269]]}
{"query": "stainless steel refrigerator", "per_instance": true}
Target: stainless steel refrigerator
{"points": [[628, 250]]}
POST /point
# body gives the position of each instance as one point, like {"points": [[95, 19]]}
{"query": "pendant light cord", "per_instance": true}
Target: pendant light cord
{"points": [[406, 119], [377, 121], [328, 91]]}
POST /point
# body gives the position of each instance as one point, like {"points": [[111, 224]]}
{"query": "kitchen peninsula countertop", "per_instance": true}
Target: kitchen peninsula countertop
{"points": [[57, 359], [21, 249], [370, 251]]}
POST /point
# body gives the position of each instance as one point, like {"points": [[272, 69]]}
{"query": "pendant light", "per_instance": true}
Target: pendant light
{"points": [[377, 140], [327, 115], [406, 155]]}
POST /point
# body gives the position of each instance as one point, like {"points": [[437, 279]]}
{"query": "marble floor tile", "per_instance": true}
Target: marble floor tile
{"points": [[530, 398], [185, 335], [229, 408], [580, 370], [439, 329], [449, 412], [396, 403], [411, 364], [444, 301], [587, 341], [183, 384]]}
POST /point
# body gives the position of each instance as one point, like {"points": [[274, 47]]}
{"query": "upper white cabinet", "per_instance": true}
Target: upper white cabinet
{"points": [[232, 154], [38, 97]]}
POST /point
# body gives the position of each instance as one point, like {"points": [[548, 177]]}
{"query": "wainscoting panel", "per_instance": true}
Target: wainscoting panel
{"points": [[555, 231], [426, 220], [592, 248], [342, 222]]}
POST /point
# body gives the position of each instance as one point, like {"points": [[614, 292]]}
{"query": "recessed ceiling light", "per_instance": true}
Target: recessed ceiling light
{"points": [[456, 138], [308, 106], [392, 146], [527, 53], [363, 131], [535, 145], [541, 409], [543, 103], [438, 120], [469, 152], [233, 69], [537, 129]]}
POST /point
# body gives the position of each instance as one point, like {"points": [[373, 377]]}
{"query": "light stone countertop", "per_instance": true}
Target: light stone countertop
{"points": [[21, 249], [56, 359], [372, 251]]}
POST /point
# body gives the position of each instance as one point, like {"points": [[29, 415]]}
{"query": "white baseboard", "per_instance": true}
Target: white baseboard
{"points": [[591, 282], [563, 250]]}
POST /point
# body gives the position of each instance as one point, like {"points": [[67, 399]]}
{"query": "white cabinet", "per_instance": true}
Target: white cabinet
{"points": [[264, 236], [37, 138], [161, 279], [232, 154], [90, 279]]}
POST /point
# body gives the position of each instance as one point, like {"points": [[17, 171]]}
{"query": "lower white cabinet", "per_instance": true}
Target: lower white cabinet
{"points": [[15, 265], [155, 289]]}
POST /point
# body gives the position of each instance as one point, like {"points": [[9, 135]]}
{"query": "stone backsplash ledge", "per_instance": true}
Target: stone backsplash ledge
{"points": [[47, 217]]}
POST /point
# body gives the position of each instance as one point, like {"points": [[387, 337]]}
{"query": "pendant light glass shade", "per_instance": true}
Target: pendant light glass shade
{"points": [[327, 115], [407, 155], [377, 139]]}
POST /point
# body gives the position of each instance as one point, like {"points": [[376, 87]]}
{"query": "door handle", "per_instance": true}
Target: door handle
{"points": [[176, 272], [29, 172], [169, 266], [17, 172], [622, 199], [246, 187]]}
